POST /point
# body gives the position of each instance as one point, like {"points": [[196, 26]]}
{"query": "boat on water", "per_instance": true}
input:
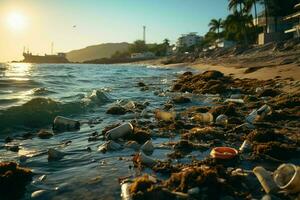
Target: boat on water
{"points": [[58, 58]]}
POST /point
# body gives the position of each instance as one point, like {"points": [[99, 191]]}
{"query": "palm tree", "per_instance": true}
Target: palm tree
{"points": [[233, 4], [215, 25], [166, 42], [237, 26], [249, 4]]}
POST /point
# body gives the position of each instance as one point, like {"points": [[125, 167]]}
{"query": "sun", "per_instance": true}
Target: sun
{"points": [[16, 20]]}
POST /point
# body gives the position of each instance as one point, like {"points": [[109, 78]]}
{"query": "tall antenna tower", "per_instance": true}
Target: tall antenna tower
{"points": [[144, 34], [51, 48]]}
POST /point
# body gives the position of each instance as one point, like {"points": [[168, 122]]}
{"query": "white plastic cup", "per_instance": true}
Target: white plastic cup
{"points": [[119, 131], [287, 177]]}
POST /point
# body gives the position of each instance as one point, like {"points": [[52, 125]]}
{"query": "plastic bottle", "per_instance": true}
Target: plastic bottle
{"points": [[147, 147], [65, 124], [119, 131], [264, 111]]}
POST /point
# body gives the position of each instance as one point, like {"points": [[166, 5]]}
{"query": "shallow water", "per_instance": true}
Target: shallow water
{"points": [[31, 95]]}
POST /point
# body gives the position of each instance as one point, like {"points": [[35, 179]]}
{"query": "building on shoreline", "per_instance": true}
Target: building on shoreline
{"points": [[144, 55], [295, 20], [273, 28], [222, 43], [188, 40]]}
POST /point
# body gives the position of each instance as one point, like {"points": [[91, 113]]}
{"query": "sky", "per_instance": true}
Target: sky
{"points": [[75, 24]]}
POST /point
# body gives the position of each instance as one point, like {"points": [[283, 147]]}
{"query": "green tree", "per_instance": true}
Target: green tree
{"points": [[233, 4], [215, 25], [166, 42], [237, 27], [138, 46]]}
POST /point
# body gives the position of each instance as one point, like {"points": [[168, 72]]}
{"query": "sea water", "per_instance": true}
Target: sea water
{"points": [[31, 95]]}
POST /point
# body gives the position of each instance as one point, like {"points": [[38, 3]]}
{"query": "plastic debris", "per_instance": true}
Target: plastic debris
{"points": [[265, 179], [223, 153], [203, 117], [119, 131], [65, 124], [287, 177], [222, 120]]}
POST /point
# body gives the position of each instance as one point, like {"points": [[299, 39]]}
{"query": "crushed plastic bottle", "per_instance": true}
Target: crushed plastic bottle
{"points": [[165, 116], [259, 114], [203, 117]]}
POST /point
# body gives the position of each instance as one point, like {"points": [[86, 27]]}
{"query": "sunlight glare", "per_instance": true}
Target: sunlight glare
{"points": [[16, 21]]}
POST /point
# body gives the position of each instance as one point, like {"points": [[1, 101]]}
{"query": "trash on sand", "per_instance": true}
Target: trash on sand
{"points": [[203, 117], [241, 101], [264, 111], [143, 159], [246, 146], [125, 189], [165, 116], [119, 131], [147, 147], [287, 177], [265, 179], [109, 146], [222, 120], [65, 124], [258, 115], [223, 153]]}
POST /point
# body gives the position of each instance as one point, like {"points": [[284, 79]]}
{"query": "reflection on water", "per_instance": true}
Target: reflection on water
{"points": [[18, 70], [33, 94]]}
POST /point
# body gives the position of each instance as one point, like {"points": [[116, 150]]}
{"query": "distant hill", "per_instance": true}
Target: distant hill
{"points": [[96, 52]]}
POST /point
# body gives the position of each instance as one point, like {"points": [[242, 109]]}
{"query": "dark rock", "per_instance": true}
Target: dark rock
{"points": [[141, 84], [13, 180], [269, 93], [139, 135], [181, 99], [212, 75], [8, 139], [116, 110], [227, 109], [28, 136], [43, 134], [276, 150], [288, 61], [263, 135]]}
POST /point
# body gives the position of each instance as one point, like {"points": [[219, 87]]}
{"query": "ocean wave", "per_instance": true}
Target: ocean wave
{"points": [[40, 112], [18, 82], [42, 91], [96, 97]]}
